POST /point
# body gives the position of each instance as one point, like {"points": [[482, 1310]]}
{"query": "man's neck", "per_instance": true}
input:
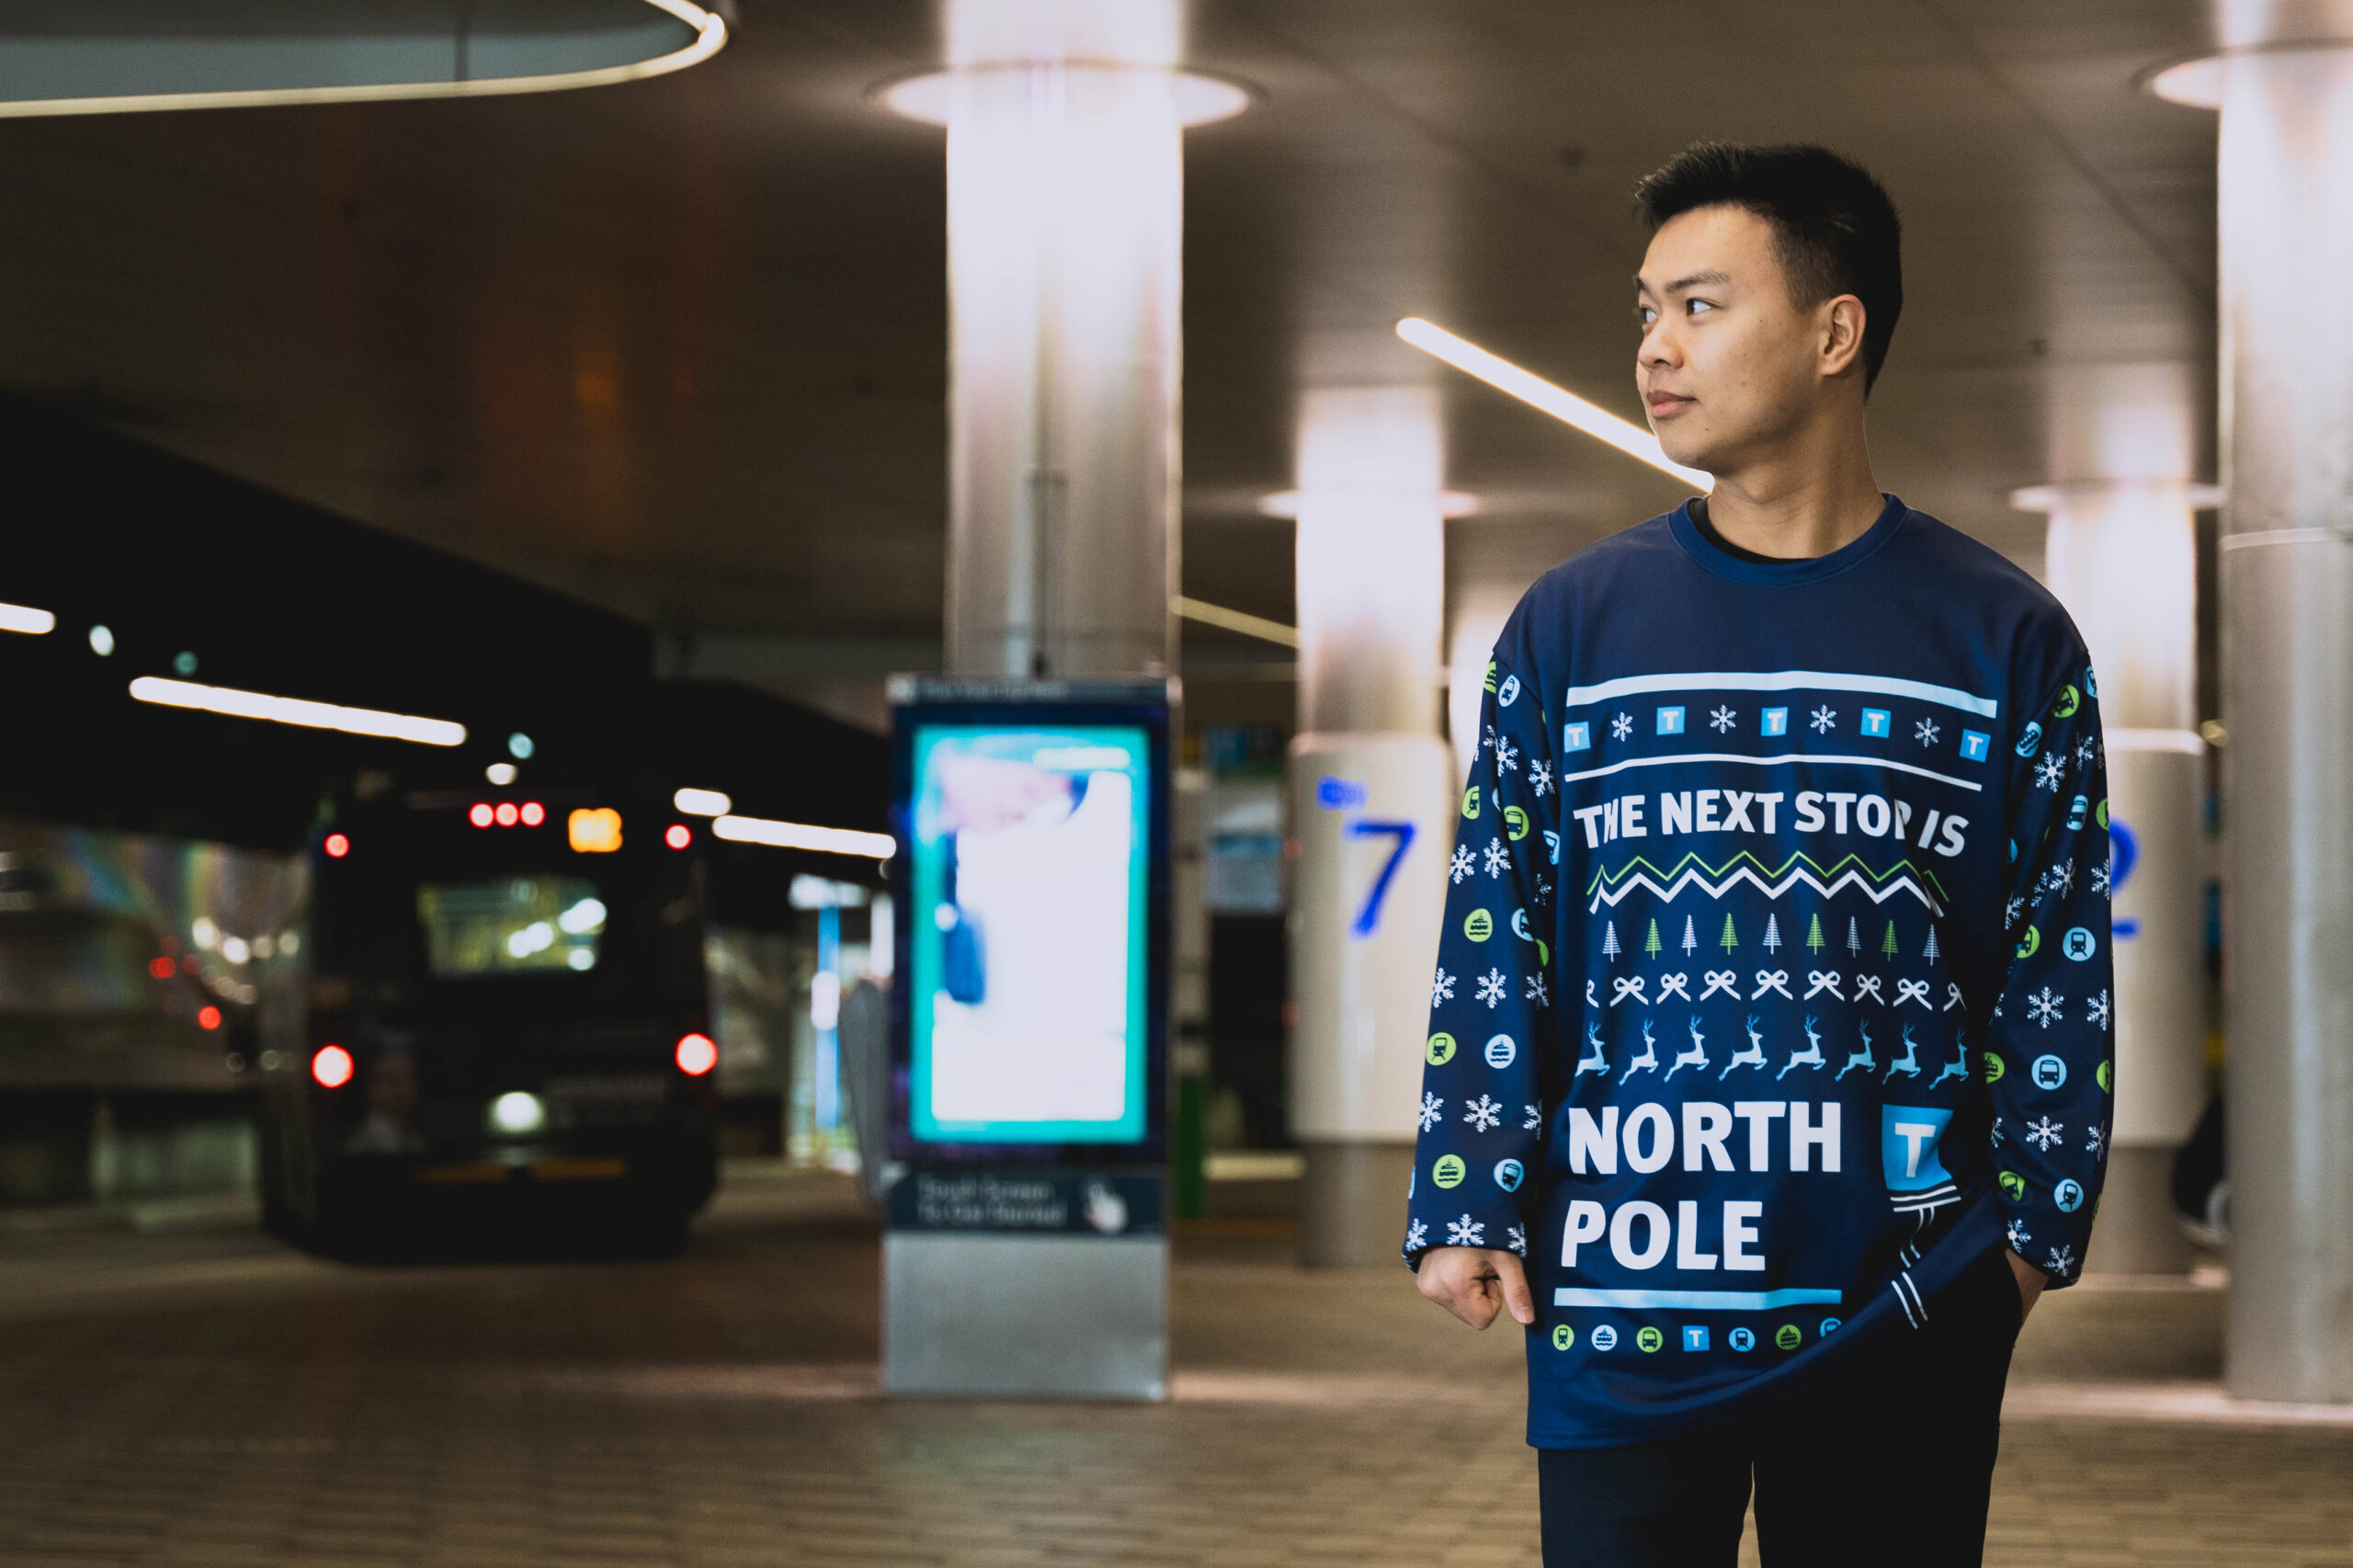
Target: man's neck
{"points": [[1796, 510]]}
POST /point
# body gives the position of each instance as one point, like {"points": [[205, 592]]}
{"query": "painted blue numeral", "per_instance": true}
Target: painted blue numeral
{"points": [[1370, 915]]}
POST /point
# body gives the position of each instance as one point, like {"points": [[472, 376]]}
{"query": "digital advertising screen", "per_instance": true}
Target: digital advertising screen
{"points": [[1033, 861]]}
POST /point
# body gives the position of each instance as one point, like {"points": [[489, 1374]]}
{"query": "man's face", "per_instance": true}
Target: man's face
{"points": [[1727, 364]]}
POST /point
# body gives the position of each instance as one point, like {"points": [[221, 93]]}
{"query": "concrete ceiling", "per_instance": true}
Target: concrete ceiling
{"points": [[677, 346]]}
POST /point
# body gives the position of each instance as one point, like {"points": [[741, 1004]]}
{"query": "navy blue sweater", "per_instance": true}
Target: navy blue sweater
{"points": [[1775, 986]]}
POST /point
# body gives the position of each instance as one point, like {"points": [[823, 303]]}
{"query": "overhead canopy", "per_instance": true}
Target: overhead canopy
{"points": [[151, 54]]}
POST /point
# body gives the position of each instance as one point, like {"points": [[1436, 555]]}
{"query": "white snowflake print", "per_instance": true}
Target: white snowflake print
{"points": [[2010, 911], [1417, 1237], [2019, 1236], [1484, 1113], [1543, 891], [2095, 1142], [1531, 1117], [2063, 876], [1536, 991], [1540, 778], [1926, 732], [2084, 750], [2097, 1009], [1465, 1233], [1442, 988], [1506, 755], [2062, 1261], [1432, 1107], [2047, 772], [1498, 857], [2043, 1006], [1491, 987], [1824, 720], [1459, 866], [1723, 719], [1488, 742], [1518, 1235], [2100, 880], [1997, 1131], [2045, 1134], [1622, 726]]}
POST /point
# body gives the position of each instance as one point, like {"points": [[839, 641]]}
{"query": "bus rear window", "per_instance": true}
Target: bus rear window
{"points": [[519, 924]]}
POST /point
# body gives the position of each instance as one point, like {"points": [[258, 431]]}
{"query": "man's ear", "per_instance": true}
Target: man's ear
{"points": [[1841, 342]]}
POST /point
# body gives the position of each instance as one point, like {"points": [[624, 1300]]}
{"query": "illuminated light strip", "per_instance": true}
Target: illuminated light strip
{"points": [[1226, 619], [710, 37], [297, 711], [1558, 402], [802, 836], [25, 618], [703, 803]]}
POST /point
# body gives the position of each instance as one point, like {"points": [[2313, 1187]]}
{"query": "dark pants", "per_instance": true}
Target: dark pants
{"points": [[1886, 1456]]}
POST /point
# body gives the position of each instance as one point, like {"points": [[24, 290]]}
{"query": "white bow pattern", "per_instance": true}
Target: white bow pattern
{"points": [[1625, 988], [1867, 985], [1956, 1001], [1721, 980], [1819, 981], [1912, 991], [1672, 985], [1772, 980]]}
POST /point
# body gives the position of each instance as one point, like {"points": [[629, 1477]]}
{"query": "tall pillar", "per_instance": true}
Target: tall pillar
{"points": [[2286, 226], [2122, 557], [1370, 782]]}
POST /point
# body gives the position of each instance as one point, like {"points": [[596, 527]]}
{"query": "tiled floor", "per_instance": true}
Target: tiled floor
{"points": [[212, 1399]]}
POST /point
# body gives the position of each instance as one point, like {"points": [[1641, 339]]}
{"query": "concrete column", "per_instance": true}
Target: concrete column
{"points": [[2122, 557], [1370, 783], [2286, 227], [1065, 212]]}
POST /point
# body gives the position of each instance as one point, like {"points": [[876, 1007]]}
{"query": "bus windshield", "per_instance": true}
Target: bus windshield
{"points": [[521, 923]]}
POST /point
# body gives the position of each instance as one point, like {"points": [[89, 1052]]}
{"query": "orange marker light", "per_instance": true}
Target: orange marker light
{"points": [[533, 814], [697, 1055], [480, 815], [337, 846], [208, 1017], [679, 835], [597, 832], [331, 1067]]}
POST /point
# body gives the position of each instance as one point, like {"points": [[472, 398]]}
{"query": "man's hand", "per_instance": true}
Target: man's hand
{"points": [[1472, 1283], [2030, 1282]]}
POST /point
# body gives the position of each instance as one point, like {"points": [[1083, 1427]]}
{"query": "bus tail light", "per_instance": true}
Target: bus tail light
{"points": [[330, 1065], [697, 1055]]}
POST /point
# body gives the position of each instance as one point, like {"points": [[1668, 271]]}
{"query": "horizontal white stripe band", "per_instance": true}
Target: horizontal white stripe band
{"points": [[1767, 762], [1782, 680]]}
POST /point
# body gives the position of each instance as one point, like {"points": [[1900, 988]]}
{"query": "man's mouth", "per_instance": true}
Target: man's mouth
{"points": [[1663, 403]]}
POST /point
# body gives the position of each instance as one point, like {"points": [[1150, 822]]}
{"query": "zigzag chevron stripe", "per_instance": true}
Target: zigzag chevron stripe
{"points": [[1692, 871]]}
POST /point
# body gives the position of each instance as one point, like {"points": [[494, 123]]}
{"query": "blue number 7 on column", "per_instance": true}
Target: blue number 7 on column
{"points": [[1370, 915]]}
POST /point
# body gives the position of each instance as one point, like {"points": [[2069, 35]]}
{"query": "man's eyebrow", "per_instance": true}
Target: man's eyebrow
{"points": [[1688, 280]]}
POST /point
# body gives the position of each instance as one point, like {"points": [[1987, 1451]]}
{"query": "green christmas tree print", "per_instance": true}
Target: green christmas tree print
{"points": [[1888, 946], [1814, 943], [1729, 941], [1651, 944]]}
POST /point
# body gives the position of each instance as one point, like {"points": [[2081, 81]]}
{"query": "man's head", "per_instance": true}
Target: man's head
{"points": [[1767, 298]]}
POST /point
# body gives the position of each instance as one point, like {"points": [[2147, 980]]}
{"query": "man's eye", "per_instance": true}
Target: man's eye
{"points": [[1644, 315], [1693, 307]]}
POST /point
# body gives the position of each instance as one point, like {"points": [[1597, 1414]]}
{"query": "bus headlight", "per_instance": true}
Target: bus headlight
{"points": [[515, 1113]]}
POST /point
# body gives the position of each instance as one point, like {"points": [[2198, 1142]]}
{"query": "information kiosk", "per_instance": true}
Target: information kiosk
{"points": [[1027, 1248]]}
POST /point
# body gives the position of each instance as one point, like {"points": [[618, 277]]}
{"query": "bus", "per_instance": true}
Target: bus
{"points": [[507, 1022]]}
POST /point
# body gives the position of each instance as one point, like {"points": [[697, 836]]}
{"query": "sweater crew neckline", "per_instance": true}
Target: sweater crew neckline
{"points": [[1702, 546]]}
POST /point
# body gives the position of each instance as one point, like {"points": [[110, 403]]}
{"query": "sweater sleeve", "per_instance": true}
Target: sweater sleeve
{"points": [[1483, 1114], [2049, 1063]]}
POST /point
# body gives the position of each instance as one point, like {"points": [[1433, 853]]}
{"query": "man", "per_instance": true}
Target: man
{"points": [[1771, 1022]]}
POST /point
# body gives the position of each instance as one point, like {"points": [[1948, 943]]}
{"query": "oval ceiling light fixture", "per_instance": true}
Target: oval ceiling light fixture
{"points": [[163, 54], [1201, 99]]}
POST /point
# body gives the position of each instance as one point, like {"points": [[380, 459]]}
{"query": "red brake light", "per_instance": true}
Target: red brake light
{"points": [[533, 814], [697, 1055], [679, 835], [506, 813], [208, 1017], [161, 967], [480, 815], [337, 846], [331, 1067]]}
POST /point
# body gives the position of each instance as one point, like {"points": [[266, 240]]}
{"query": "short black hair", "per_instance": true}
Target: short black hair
{"points": [[1835, 231]]}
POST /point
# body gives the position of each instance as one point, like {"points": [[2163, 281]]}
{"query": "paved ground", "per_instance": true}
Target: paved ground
{"points": [[208, 1397]]}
